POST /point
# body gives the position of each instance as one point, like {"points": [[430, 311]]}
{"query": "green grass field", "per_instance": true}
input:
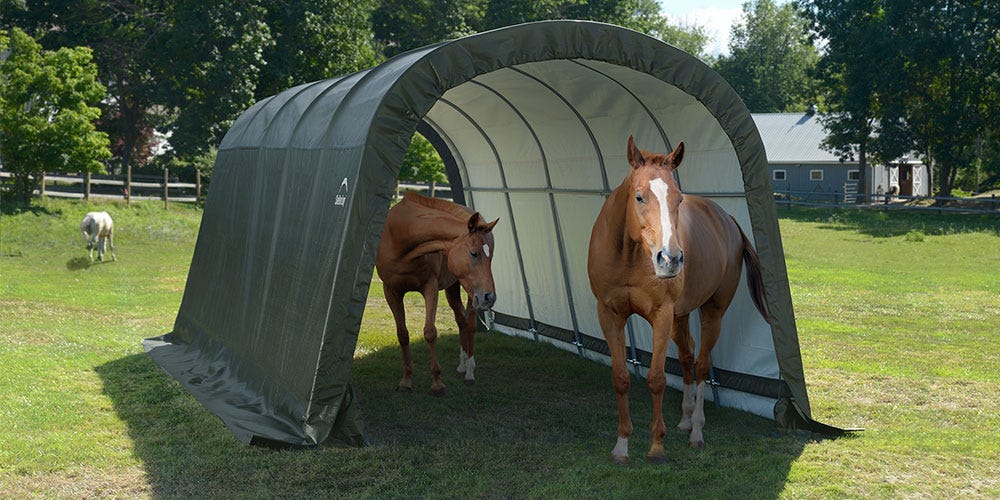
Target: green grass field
{"points": [[898, 317]]}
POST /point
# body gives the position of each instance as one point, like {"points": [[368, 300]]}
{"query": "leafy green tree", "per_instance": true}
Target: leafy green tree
{"points": [[314, 40], [402, 25], [642, 16], [211, 58], [422, 163], [124, 37], [47, 111], [862, 76], [951, 61], [771, 59]]}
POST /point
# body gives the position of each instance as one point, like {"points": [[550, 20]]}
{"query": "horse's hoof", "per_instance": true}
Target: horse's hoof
{"points": [[656, 459], [619, 459], [698, 445], [470, 381], [401, 388]]}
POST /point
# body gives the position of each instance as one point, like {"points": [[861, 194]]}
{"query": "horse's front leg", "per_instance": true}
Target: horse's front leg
{"points": [[657, 379], [100, 248], [430, 335], [465, 317], [395, 300], [613, 325]]}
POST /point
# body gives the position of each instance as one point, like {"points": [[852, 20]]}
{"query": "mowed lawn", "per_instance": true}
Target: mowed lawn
{"points": [[898, 317]]}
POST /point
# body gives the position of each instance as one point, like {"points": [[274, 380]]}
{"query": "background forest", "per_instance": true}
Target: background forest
{"points": [[140, 85]]}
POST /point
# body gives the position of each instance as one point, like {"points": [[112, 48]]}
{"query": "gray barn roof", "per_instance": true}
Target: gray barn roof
{"points": [[794, 138]]}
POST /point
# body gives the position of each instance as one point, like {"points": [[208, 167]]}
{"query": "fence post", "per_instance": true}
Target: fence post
{"points": [[197, 185], [166, 178], [86, 186], [128, 185], [433, 187], [41, 186]]}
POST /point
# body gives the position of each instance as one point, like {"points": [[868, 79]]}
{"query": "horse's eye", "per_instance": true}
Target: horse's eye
{"points": [[638, 197], [475, 255]]}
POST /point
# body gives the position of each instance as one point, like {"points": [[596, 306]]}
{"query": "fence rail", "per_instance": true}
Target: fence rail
{"points": [[847, 198], [62, 185], [150, 188]]}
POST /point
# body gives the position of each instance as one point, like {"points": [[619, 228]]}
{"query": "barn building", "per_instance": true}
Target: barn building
{"points": [[802, 169]]}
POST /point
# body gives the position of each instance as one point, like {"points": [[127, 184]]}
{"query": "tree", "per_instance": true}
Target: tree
{"points": [[422, 163], [210, 60], [951, 61], [771, 59], [47, 111], [862, 75], [402, 25], [125, 37], [314, 40]]}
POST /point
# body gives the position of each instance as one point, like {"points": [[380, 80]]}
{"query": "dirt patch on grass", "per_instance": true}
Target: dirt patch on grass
{"points": [[123, 483]]}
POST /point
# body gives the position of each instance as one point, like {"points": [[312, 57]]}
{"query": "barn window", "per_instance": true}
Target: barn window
{"points": [[778, 175], [815, 175], [853, 175]]}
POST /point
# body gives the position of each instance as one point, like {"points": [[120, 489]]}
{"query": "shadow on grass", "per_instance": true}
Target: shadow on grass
{"points": [[538, 422], [886, 224], [11, 206], [78, 263]]}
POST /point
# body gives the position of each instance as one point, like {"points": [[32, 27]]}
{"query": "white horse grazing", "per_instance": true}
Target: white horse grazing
{"points": [[95, 228]]}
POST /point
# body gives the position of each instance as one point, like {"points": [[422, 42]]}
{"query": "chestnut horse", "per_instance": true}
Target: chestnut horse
{"points": [[661, 254], [430, 245]]}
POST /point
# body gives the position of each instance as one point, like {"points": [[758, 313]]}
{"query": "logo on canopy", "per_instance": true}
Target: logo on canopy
{"points": [[341, 198]]}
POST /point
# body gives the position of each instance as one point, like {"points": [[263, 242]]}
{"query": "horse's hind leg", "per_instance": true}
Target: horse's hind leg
{"points": [[111, 244], [395, 301], [711, 326], [430, 335], [100, 248], [685, 354], [465, 317]]}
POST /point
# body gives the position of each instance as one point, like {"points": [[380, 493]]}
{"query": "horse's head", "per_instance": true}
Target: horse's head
{"points": [[470, 258], [653, 210]]}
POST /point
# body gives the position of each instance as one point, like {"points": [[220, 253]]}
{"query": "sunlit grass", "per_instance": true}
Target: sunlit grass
{"points": [[898, 317]]}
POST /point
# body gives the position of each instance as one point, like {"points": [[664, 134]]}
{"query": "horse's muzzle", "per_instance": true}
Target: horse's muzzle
{"points": [[667, 264], [484, 300]]}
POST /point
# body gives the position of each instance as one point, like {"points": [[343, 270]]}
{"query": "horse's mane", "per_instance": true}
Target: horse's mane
{"points": [[454, 209], [654, 158]]}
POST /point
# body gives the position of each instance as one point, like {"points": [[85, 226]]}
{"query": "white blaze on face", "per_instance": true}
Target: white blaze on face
{"points": [[486, 250], [660, 190]]}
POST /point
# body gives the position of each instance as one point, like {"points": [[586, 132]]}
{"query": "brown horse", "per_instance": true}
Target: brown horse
{"points": [[430, 245], [661, 254]]}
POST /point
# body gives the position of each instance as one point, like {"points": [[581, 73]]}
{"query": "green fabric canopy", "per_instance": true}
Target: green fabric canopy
{"points": [[532, 121]]}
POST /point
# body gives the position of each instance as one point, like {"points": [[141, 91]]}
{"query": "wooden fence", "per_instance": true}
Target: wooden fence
{"points": [[113, 187], [153, 188], [848, 198]]}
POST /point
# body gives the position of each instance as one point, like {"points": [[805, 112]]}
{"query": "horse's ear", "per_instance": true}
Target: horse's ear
{"points": [[675, 157], [489, 227], [634, 155], [474, 222]]}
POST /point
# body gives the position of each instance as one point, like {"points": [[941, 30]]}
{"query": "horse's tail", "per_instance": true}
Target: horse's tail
{"points": [[754, 281]]}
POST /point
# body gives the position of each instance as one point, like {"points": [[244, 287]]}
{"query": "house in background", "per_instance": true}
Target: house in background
{"points": [[802, 169]]}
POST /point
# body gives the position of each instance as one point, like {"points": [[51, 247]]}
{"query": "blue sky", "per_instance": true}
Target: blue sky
{"points": [[717, 16]]}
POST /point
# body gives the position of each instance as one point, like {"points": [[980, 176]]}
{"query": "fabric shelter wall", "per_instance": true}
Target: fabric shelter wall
{"points": [[534, 119]]}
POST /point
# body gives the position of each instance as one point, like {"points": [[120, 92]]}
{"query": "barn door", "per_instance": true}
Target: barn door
{"points": [[918, 180]]}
